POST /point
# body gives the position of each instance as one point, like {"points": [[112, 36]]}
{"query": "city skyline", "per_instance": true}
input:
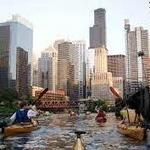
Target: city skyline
{"points": [[53, 20]]}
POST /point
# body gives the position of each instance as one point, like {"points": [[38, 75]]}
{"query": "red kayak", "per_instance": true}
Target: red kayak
{"points": [[101, 119]]}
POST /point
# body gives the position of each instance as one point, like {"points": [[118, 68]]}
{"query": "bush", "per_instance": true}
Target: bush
{"points": [[97, 104]]}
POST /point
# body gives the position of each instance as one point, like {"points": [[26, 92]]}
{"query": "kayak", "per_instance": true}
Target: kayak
{"points": [[101, 119], [79, 145], [79, 142], [137, 133], [18, 129]]}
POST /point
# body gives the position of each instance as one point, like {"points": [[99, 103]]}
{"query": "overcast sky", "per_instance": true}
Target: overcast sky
{"points": [[71, 19]]}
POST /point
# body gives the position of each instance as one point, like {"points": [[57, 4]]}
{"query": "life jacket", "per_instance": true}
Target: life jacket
{"points": [[21, 116]]}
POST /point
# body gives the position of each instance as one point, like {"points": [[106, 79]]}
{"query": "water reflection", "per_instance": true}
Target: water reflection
{"points": [[57, 133]]}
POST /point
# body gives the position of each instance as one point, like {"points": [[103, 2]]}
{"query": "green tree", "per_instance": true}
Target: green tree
{"points": [[8, 96], [102, 104]]}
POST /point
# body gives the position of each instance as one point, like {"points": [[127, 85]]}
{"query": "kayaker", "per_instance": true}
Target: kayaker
{"points": [[24, 114], [33, 107], [101, 116]]}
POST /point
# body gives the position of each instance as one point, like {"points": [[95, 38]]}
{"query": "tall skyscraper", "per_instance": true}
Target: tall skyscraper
{"points": [[22, 72], [98, 31], [101, 78], [65, 67], [89, 69], [47, 67], [78, 59], [136, 41], [15, 33]]}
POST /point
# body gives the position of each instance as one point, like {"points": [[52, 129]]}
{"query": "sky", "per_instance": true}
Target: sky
{"points": [[71, 19]]}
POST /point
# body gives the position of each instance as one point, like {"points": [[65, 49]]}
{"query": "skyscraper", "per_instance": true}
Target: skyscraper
{"points": [[47, 67], [100, 60], [15, 33], [35, 71], [57, 42], [98, 31], [78, 55], [65, 67], [89, 69], [136, 41], [101, 78], [22, 72], [116, 65]]}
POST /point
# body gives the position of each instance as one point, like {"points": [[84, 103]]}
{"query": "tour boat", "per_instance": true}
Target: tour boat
{"points": [[18, 129], [133, 131]]}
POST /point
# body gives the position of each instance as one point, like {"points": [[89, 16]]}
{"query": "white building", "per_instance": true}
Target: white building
{"points": [[137, 40], [78, 59], [101, 79], [47, 66]]}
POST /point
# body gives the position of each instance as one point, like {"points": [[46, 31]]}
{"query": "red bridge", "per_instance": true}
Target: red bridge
{"points": [[45, 105]]}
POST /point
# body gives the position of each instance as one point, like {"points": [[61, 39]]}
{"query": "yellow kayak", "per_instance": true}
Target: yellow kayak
{"points": [[18, 129], [79, 143], [134, 132]]}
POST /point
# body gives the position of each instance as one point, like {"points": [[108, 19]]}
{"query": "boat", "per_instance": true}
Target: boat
{"points": [[100, 119], [79, 145], [115, 92], [138, 99], [18, 129], [132, 131]]}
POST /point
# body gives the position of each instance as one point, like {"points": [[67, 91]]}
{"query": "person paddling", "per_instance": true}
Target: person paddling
{"points": [[101, 116], [24, 114]]}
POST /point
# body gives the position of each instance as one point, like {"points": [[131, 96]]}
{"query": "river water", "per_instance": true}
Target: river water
{"points": [[56, 132]]}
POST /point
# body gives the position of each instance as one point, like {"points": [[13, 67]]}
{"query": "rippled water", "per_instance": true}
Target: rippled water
{"points": [[56, 132]]}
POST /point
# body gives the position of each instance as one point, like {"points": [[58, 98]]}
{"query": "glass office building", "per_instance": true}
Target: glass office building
{"points": [[15, 33]]}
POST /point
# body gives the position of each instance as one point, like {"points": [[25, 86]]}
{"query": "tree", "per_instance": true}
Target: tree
{"points": [[8, 96], [102, 104]]}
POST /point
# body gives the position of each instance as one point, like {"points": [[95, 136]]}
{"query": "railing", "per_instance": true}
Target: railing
{"points": [[49, 105]]}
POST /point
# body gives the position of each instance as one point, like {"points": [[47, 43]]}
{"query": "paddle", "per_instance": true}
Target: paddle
{"points": [[78, 133], [42, 93], [4, 123]]}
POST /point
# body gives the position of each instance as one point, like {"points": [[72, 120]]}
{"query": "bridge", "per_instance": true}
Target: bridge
{"points": [[47, 105]]}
